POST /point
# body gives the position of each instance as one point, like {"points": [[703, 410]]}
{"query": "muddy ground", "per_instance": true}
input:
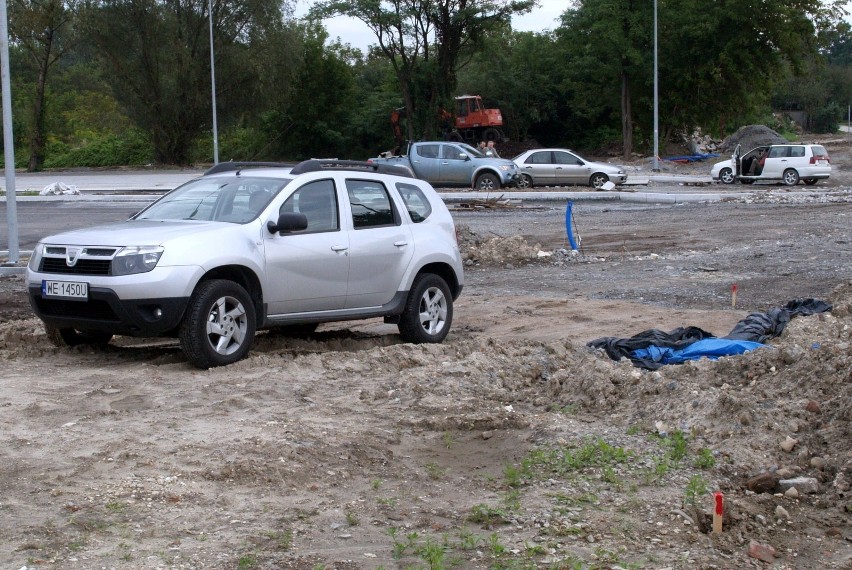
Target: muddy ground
{"points": [[511, 445]]}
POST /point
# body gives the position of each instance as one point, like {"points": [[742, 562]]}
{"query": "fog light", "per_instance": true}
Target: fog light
{"points": [[158, 312]]}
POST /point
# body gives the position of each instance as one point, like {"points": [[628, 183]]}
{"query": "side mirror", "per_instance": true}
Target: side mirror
{"points": [[288, 222], [464, 156]]}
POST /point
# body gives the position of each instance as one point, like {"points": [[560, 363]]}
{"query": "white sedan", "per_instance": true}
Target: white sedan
{"points": [[560, 167]]}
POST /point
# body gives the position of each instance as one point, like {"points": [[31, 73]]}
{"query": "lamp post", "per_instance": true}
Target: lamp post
{"points": [[213, 87], [8, 139], [656, 166]]}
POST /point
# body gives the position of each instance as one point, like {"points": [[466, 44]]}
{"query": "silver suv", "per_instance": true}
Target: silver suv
{"points": [[251, 246]]}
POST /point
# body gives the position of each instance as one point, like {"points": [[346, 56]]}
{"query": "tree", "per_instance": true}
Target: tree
{"points": [[158, 54], [426, 41], [43, 28]]}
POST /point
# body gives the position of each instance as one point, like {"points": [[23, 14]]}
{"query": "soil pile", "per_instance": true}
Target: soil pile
{"points": [[751, 136]]}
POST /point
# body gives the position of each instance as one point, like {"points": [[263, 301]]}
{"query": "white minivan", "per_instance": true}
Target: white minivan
{"points": [[787, 163]]}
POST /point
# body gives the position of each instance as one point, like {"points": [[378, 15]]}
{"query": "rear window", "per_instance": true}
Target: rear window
{"points": [[819, 151], [416, 203]]}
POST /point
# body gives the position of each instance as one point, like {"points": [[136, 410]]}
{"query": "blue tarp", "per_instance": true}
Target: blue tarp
{"points": [[711, 348], [654, 348], [692, 157]]}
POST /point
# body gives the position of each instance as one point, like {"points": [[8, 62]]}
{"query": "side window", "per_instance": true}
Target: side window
{"points": [[778, 152], [451, 152], [416, 203], [797, 151], [428, 150], [318, 201], [539, 158], [566, 158], [371, 205]]}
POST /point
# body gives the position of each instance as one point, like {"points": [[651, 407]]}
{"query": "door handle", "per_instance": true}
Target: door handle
{"points": [[400, 243], [339, 247]]}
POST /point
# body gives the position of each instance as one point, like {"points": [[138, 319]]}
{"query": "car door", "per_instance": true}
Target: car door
{"points": [[455, 168], [381, 244], [539, 165], [308, 270], [776, 162], [569, 169], [426, 162]]}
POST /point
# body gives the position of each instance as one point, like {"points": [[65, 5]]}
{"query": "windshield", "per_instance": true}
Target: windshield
{"points": [[471, 151], [236, 199]]}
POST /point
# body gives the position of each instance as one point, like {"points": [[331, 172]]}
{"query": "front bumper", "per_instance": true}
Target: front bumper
{"points": [[105, 311]]}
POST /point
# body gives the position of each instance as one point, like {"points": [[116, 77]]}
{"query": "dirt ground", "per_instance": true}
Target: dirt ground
{"points": [[510, 446]]}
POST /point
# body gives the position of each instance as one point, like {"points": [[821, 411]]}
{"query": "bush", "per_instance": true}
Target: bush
{"points": [[132, 149]]}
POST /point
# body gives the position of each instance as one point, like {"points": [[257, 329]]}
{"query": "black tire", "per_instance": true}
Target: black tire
{"points": [[525, 181], [219, 324], [598, 179], [727, 176], [487, 182], [492, 135], [809, 181], [428, 311], [75, 337], [790, 177]]}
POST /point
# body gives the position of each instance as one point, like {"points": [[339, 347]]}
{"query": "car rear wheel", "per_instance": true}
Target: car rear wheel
{"points": [[76, 337], [791, 177], [598, 179], [428, 311], [487, 182], [218, 328], [525, 181], [727, 176], [810, 181]]}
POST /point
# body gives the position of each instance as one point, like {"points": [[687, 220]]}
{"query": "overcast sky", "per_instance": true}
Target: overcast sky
{"points": [[352, 31]]}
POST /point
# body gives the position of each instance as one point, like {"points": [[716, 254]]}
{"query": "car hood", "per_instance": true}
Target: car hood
{"points": [[141, 232]]}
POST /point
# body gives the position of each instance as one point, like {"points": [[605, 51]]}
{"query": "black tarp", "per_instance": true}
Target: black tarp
{"points": [[756, 327]]}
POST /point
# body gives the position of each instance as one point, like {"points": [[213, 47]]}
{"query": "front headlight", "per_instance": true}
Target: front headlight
{"points": [[36, 256], [136, 259]]}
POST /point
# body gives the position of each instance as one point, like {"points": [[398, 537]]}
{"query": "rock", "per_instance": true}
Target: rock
{"points": [[792, 493], [785, 473], [782, 513], [834, 531], [818, 463], [812, 406], [802, 484], [763, 483], [788, 444], [761, 551]]}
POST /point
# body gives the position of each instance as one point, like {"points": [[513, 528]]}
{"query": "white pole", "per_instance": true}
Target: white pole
{"points": [[213, 87], [656, 166], [8, 139]]}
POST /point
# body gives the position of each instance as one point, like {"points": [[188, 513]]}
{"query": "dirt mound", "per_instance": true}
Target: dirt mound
{"points": [[751, 136]]}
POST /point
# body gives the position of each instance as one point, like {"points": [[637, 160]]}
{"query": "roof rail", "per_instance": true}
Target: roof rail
{"points": [[317, 164], [231, 166]]}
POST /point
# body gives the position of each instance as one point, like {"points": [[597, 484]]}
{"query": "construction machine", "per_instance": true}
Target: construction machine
{"points": [[470, 123]]}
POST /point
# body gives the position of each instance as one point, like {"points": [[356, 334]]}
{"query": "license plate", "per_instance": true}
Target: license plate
{"points": [[65, 289]]}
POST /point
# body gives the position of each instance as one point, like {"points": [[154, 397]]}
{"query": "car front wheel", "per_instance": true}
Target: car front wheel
{"points": [[599, 179], [487, 182], [218, 328], [727, 176], [76, 337], [525, 181], [791, 177], [428, 311]]}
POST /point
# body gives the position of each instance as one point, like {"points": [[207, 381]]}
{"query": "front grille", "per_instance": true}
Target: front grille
{"points": [[93, 309], [82, 267]]}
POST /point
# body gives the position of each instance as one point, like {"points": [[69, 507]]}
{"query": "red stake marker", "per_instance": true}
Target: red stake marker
{"points": [[718, 510], [734, 296]]}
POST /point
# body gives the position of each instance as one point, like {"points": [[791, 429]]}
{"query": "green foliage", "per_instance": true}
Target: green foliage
{"points": [[704, 459], [695, 490], [132, 149]]}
